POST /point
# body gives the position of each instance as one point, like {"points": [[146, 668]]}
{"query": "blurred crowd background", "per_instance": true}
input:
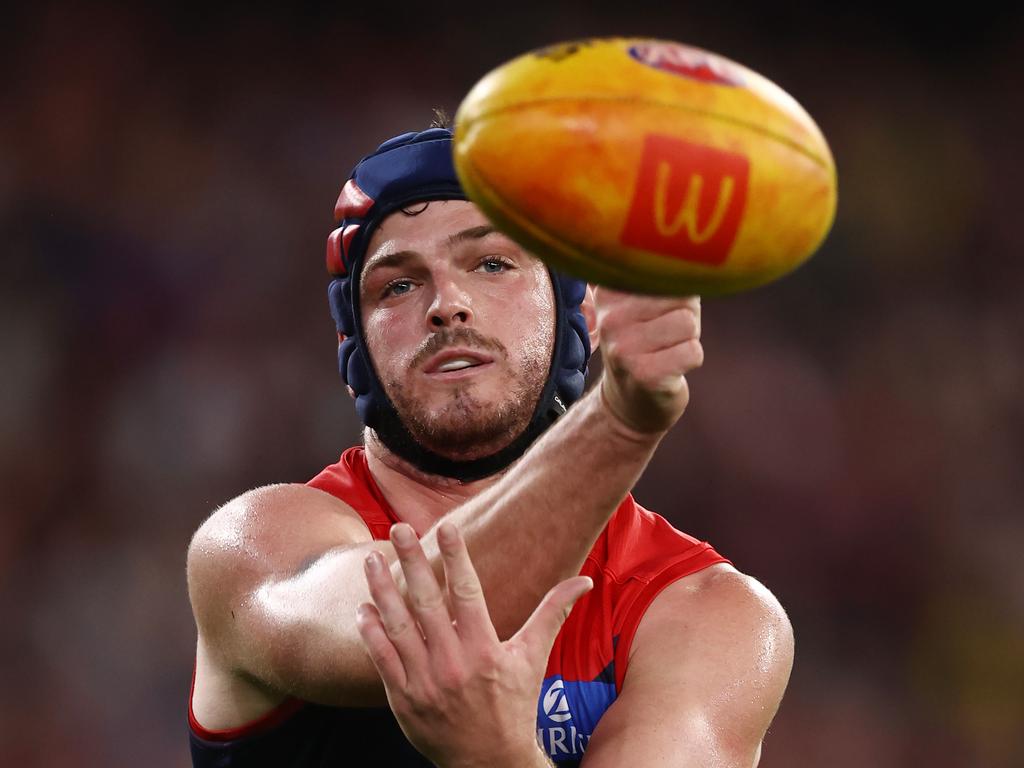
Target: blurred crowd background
{"points": [[855, 439]]}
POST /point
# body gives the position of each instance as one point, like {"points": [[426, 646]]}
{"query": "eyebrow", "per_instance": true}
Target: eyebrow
{"points": [[397, 258], [393, 259], [473, 233]]}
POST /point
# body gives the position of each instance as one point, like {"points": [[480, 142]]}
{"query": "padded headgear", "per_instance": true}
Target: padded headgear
{"points": [[413, 168]]}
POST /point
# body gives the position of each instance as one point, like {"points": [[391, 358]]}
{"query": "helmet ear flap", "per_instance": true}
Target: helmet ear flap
{"points": [[357, 375], [352, 362], [573, 353], [339, 297]]}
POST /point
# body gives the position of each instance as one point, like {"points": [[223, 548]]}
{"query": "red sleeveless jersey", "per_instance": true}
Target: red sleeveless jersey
{"points": [[636, 556]]}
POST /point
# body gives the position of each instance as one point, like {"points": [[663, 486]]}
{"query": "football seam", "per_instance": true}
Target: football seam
{"points": [[827, 166]]}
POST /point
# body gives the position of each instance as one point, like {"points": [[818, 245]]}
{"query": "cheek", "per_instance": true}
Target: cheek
{"points": [[386, 341], [534, 323]]}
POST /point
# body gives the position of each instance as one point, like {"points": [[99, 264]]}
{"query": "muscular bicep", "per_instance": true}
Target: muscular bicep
{"points": [[274, 579], [709, 666]]}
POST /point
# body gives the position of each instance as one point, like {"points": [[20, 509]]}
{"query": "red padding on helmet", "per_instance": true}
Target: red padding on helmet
{"points": [[346, 237], [352, 203], [335, 264]]}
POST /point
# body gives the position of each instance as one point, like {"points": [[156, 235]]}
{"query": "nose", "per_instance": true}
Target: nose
{"points": [[451, 306]]}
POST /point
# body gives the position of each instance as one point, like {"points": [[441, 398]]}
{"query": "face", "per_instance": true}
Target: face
{"points": [[459, 322]]}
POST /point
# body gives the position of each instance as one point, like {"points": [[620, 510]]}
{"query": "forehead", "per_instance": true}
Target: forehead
{"points": [[428, 226]]}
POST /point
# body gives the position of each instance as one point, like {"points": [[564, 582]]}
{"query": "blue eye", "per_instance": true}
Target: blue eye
{"points": [[398, 288], [493, 265]]}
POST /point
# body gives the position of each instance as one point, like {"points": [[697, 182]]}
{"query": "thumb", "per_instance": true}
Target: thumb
{"points": [[538, 634]]}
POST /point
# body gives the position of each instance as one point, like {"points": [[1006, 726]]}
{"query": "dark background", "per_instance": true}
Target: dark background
{"points": [[167, 180]]}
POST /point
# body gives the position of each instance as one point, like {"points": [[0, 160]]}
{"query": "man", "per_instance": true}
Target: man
{"points": [[319, 604]]}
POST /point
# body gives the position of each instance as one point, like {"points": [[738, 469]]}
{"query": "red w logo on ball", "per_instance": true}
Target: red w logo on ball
{"points": [[689, 201]]}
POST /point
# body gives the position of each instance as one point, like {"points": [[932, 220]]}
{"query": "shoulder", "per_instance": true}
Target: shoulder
{"points": [[717, 608], [707, 671], [268, 532], [716, 594], [724, 639], [270, 524], [268, 509]]}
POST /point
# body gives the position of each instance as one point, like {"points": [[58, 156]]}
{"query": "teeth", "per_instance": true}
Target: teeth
{"points": [[456, 364]]}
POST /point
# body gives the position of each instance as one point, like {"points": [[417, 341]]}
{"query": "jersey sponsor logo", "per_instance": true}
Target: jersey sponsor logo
{"points": [[562, 744], [688, 202], [556, 706], [567, 713]]}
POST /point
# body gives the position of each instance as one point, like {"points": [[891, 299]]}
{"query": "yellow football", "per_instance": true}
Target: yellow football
{"points": [[647, 166]]}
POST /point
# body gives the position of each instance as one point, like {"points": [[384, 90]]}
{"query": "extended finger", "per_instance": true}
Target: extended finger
{"points": [[612, 305], [469, 609], [674, 327], [398, 623], [382, 651], [423, 594], [672, 361], [538, 634]]}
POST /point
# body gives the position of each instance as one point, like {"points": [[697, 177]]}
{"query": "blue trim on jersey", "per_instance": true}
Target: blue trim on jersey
{"points": [[567, 713]]}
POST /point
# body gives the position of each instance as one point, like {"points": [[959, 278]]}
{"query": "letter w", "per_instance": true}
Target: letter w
{"points": [[686, 216]]}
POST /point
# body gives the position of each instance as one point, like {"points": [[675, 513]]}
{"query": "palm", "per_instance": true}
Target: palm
{"points": [[461, 695]]}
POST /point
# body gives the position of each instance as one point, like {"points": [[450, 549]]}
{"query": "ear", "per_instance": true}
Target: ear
{"points": [[589, 309]]}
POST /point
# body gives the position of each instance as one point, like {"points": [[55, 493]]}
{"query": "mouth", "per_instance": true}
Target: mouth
{"points": [[453, 362]]}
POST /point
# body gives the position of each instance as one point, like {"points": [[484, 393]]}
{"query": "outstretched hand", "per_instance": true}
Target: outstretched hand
{"points": [[462, 697], [650, 344]]}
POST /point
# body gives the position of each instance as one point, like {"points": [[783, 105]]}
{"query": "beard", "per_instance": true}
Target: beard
{"points": [[464, 426]]}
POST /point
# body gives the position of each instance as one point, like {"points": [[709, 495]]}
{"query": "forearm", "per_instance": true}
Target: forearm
{"points": [[526, 533], [536, 526], [309, 646], [529, 531]]}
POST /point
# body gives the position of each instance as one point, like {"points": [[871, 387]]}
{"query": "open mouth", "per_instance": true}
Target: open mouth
{"points": [[455, 361], [458, 364]]}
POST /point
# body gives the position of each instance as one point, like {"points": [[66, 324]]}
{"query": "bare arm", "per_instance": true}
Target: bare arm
{"points": [[276, 575], [709, 666], [536, 527]]}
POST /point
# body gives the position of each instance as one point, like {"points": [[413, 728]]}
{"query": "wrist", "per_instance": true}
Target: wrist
{"points": [[618, 424]]}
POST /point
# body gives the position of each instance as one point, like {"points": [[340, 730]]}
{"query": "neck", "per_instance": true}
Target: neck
{"points": [[417, 497]]}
